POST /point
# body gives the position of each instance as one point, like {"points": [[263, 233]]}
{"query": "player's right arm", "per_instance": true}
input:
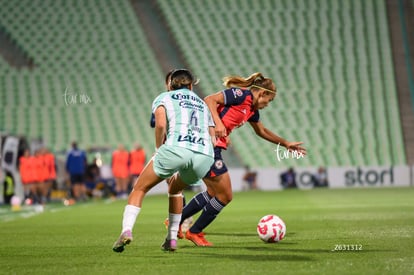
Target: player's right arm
{"points": [[212, 101]]}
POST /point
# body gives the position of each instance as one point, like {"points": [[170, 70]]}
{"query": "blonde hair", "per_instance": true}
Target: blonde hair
{"points": [[254, 81]]}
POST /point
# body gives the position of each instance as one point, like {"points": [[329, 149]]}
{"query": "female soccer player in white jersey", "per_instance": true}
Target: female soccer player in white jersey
{"points": [[184, 136]]}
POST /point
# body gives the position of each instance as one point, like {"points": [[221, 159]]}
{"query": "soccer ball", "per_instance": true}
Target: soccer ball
{"points": [[271, 229]]}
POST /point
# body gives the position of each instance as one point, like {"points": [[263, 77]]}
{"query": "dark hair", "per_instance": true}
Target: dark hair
{"points": [[168, 76], [181, 78]]}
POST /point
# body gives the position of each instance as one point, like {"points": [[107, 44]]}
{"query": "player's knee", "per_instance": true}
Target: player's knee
{"points": [[229, 198], [225, 198], [140, 188]]}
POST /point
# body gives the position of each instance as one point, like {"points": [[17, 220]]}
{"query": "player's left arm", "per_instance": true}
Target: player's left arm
{"points": [[160, 126], [268, 135]]}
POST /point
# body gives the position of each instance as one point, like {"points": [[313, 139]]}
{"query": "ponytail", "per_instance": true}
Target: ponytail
{"points": [[254, 81]]}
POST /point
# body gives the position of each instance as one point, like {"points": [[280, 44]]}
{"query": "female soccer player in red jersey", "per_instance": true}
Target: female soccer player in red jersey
{"points": [[231, 108]]}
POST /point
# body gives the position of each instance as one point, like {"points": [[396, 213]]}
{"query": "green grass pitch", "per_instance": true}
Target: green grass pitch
{"points": [[378, 223]]}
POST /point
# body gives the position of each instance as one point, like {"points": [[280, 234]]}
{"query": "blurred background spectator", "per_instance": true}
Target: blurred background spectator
{"points": [[137, 163], [76, 167], [320, 179], [288, 178], [249, 179], [120, 164]]}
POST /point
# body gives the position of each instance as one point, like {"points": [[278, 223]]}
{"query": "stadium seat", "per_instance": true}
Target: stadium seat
{"points": [[331, 61], [328, 85], [94, 48]]}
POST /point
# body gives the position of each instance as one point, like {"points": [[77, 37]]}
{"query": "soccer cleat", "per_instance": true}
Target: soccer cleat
{"points": [[187, 223], [166, 223], [169, 245], [123, 240], [197, 238], [180, 233]]}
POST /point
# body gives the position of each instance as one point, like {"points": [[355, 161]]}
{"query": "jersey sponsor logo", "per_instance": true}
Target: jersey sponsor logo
{"points": [[189, 101], [189, 105], [195, 128], [237, 92], [179, 96], [218, 164], [191, 138]]}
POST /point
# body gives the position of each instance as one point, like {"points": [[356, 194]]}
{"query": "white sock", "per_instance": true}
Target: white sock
{"points": [[174, 224], [130, 215]]}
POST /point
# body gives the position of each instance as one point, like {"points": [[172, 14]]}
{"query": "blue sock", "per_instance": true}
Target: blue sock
{"points": [[196, 204], [210, 212]]}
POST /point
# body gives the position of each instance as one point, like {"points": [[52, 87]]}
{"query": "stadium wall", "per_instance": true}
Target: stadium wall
{"points": [[338, 177], [268, 179]]}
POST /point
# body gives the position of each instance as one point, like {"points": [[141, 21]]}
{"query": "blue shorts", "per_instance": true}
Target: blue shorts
{"points": [[219, 167], [77, 178]]}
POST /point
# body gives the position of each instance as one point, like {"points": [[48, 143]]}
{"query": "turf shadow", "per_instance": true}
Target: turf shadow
{"points": [[240, 234], [232, 234], [254, 257]]}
